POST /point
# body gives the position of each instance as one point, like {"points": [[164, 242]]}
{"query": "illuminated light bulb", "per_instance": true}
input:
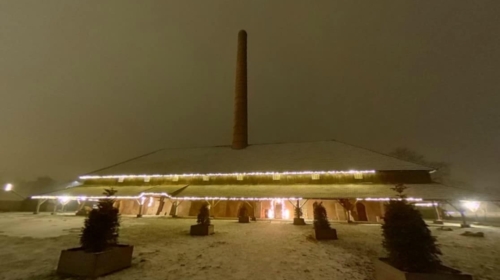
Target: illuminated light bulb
{"points": [[8, 187]]}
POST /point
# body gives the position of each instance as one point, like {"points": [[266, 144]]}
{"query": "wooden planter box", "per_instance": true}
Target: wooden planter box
{"points": [[243, 219], [77, 262], [325, 234], [202, 230], [385, 271], [298, 221]]}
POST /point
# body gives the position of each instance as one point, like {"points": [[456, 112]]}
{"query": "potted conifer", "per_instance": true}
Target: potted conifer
{"points": [[203, 226], [99, 253], [243, 215], [297, 219], [412, 250], [322, 228]]}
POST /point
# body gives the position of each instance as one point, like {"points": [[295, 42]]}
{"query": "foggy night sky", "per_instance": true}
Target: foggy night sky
{"points": [[85, 84]]}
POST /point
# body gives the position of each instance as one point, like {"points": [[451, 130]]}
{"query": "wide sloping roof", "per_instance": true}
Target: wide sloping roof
{"points": [[306, 156], [424, 191]]}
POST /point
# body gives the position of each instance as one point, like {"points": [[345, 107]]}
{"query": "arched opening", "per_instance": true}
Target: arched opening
{"points": [[361, 209], [278, 209]]}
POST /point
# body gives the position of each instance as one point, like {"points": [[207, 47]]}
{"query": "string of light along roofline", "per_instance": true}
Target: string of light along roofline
{"points": [[143, 195], [86, 177]]}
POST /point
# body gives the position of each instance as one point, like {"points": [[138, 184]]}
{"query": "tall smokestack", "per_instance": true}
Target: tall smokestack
{"points": [[240, 128]]}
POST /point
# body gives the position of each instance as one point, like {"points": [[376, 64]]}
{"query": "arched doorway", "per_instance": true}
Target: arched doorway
{"points": [[360, 208], [278, 210]]}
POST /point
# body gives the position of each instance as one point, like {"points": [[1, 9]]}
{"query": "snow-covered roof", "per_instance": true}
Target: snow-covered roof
{"points": [[306, 156]]}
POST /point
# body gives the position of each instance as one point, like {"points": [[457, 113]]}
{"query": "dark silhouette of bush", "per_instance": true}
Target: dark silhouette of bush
{"points": [[298, 212], [320, 217], [100, 230], [407, 239], [204, 215], [243, 212]]}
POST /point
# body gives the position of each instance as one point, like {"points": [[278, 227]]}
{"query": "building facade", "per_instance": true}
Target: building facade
{"points": [[270, 179]]}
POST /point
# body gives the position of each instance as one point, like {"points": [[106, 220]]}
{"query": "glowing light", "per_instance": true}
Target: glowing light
{"points": [[471, 205], [270, 213], [64, 199], [234, 198], [90, 198], [8, 187], [155, 194], [142, 200], [429, 204], [173, 176], [151, 201], [389, 198], [141, 196], [286, 214]]}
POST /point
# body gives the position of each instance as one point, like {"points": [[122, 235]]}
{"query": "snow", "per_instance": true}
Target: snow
{"points": [[30, 247]]}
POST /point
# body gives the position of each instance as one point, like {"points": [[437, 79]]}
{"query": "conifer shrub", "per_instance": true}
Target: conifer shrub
{"points": [[101, 227], [320, 217], [407, 239], [204, 215], [298, 212], [243, 212]]}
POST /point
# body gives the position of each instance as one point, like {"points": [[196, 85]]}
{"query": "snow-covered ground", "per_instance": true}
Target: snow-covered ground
{"points": [[30, 246]]}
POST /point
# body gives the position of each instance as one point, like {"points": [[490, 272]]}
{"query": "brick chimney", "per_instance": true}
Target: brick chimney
{"points": [[240, 126]]}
